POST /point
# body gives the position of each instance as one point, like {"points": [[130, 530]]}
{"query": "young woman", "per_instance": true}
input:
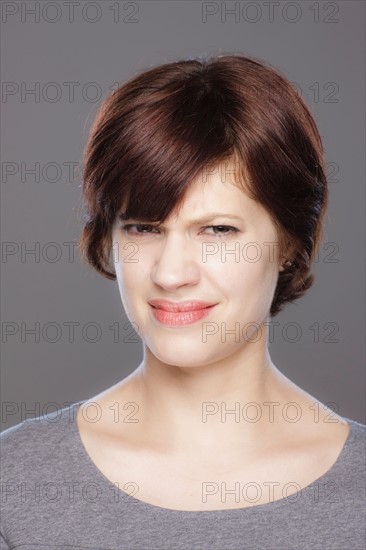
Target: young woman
{"points": [[205, 195]]}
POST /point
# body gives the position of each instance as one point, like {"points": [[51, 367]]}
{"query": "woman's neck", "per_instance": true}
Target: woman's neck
{"points": [[231, 406]]}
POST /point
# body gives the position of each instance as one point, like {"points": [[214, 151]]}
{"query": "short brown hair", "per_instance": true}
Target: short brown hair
{"points": [[154, 134]]}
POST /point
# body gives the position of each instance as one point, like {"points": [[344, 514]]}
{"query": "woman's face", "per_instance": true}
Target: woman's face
{"points": [[234, 267]]}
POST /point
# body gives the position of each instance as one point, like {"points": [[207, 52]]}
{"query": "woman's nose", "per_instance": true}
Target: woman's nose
{"points": [[176, 265]]}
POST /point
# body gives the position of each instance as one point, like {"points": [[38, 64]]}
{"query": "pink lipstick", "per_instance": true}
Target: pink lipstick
{"points": [[179, 313]]}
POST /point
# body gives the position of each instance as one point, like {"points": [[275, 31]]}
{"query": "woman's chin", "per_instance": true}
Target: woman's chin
{"points": [[192, 356]]}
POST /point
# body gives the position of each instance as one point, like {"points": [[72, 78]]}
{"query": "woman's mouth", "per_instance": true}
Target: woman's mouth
{"points": [[179, 314]]}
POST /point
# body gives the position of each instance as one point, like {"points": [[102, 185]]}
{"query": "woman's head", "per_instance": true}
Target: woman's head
{"points": [[160, 133]]}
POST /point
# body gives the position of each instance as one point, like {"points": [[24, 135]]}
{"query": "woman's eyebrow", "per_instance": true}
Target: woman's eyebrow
{"points": [[212, 215], [202, 219]]}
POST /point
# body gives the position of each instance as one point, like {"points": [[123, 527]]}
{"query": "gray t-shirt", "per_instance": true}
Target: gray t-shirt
{"points": [[53, 497]]}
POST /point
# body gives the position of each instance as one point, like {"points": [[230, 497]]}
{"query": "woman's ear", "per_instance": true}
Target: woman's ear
{"points": [[285, 264], [287, 256]]}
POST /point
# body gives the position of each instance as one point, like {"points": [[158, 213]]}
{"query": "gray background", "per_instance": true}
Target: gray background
{"points": [[322, 53]]}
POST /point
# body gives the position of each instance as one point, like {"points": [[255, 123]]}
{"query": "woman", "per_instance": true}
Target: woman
{"points": [[205, 195]]}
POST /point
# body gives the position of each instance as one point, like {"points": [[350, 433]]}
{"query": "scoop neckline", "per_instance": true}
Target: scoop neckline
{"points": [[83, 453]]}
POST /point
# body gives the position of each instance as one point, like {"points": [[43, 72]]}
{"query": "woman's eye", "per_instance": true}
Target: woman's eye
{"points": [[127, 227], [228, 229]]}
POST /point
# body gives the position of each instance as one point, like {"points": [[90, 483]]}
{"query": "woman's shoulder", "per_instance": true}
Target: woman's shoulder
{"points": [[34, 440], [358, 427], [356, 439], [351, 462]]}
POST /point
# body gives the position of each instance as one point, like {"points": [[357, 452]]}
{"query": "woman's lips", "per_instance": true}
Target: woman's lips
{"points": [[180, 318], [176, 307]]}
